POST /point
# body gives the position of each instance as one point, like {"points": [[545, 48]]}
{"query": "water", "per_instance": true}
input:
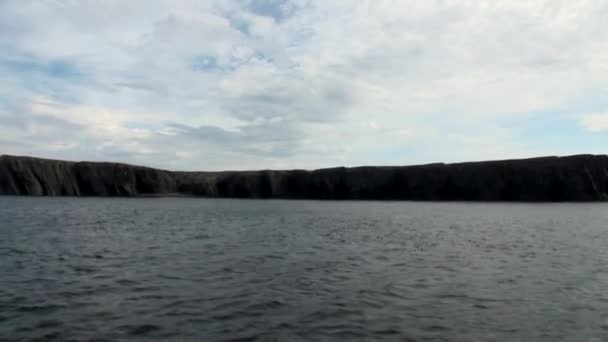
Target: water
{"points": [[245, 270]]}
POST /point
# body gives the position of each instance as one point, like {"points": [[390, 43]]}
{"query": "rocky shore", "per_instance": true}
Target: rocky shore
{"points": [[572, 178]]}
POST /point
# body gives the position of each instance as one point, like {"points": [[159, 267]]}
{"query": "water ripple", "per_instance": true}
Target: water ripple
{"points": [[229, 270]]}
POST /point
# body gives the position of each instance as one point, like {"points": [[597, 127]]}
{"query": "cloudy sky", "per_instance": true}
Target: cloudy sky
{"points": [[251, 84]]}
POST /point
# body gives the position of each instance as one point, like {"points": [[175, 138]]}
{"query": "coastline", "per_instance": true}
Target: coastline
{"points": [[579, 178]]}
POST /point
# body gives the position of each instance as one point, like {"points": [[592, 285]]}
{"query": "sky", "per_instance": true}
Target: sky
{"points": [[282, 84]]}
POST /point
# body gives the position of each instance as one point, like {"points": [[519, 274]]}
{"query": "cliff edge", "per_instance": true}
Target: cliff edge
{"points": [[572, 178]]}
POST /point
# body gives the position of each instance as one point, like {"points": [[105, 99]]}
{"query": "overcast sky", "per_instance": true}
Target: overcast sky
{"points": [[251, 84]]}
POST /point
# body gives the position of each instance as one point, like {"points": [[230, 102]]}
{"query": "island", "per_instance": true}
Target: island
{"points": [[551, 179]]}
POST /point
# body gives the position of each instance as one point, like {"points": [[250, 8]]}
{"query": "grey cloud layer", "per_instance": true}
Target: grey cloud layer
{"points": [[257, 84]]}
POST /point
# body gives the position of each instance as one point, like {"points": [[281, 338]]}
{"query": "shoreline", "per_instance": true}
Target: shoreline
{"points": [[579, 178]]}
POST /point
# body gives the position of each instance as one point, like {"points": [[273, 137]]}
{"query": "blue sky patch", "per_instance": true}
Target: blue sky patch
{"points": [[205, 63], [279, 10], [56, 68]]}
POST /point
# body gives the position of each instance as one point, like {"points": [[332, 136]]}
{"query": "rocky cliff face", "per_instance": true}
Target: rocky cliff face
{"points": [[574, 178], [44, 177]]}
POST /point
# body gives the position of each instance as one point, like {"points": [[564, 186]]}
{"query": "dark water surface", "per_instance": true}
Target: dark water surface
{"points": [[179, 269]]}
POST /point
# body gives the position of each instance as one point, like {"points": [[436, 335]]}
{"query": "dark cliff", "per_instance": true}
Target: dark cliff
{"points": [[574, 178]]}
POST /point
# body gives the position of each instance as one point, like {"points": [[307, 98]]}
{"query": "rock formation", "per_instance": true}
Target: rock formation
{"points": [[573, 178]]}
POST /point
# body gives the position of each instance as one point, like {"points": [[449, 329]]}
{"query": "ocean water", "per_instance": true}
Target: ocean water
{"points": [[183, 269]]}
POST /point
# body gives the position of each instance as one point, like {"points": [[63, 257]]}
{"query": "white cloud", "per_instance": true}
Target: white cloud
{"points": [[255, 84], [595, 122]]}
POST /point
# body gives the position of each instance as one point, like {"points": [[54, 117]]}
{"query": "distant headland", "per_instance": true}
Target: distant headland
{"points": [[551, 179]]}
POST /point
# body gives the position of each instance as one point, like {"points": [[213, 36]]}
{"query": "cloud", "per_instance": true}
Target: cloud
{"points": [[299, 83], [596, 122]]}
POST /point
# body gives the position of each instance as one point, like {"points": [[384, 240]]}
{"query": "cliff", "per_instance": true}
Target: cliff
{"points": [[573, 178]]}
